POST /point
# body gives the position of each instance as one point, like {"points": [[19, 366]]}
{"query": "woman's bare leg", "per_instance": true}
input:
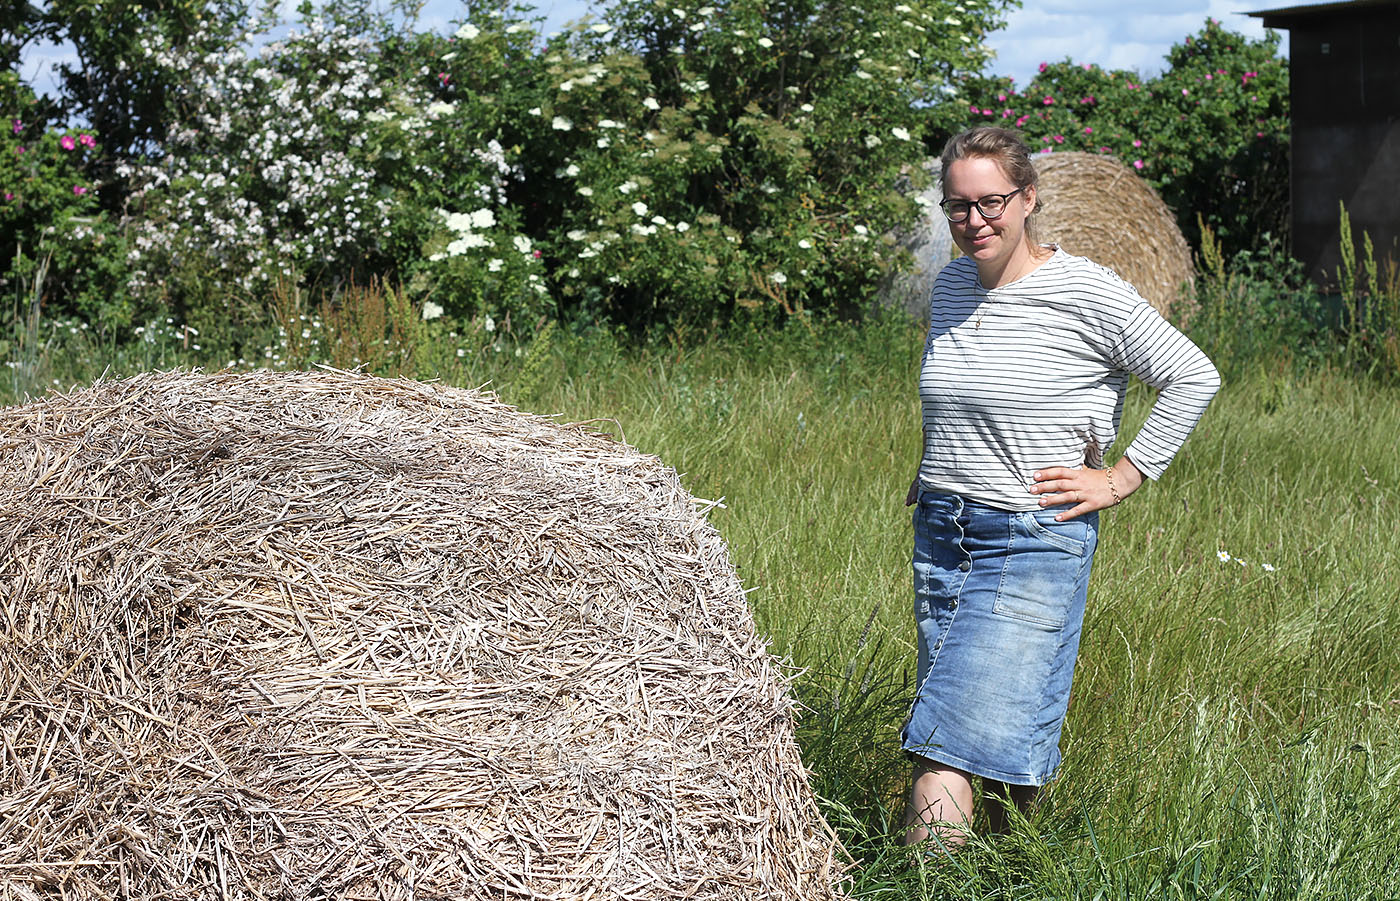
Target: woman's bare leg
{"points": [[940, 798], [1023, 796]]}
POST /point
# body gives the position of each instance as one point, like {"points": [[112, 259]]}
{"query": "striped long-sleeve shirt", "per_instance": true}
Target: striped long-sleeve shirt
{"points": [[1034, 374]]}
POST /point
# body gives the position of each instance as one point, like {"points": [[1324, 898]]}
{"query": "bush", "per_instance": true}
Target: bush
{"points": [[686, 162], [56, 244], [1210, 134]]}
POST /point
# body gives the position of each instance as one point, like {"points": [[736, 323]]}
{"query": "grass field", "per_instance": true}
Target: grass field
{"points": [[1234, 730]]}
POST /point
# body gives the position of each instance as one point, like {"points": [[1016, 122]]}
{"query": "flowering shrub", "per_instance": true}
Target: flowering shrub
{"points": [[686, 160], [51, 227], [265, 176], [1210, 133]]}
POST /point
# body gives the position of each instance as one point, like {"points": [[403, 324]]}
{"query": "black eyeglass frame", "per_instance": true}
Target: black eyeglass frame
{"points": [[977, 204]]}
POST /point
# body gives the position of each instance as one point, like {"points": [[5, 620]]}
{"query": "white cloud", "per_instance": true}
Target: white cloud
{"points": [[1115, 34]]}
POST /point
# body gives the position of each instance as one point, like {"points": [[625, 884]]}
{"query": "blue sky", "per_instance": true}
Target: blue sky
{"points": [[1127, 34]]}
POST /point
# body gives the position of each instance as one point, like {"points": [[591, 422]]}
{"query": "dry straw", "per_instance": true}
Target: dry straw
{"points": [[1098, 208], [325, 635]]}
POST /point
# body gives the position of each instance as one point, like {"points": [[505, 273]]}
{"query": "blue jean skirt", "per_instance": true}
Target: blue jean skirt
{"points": [[999, 603]]}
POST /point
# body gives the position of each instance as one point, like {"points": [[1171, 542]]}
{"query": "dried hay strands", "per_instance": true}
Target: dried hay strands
{"points": [[288, 635], [1096, 207]]}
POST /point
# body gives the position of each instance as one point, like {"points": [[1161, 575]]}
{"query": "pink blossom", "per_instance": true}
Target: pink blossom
{"points": [[1021, 121], [1137, 142], [1001, 97], [67, 142], [1044, 66], [1132, 87], [19, 150], [1103, 150], [1184, 92], [1059, 139], [1259, 134], [1088, 130], [1086, 67], [1048, 101], [1209, 77], [9, 196], [16, 126], [538, 254], [1046, 149], [87, 140], [79, 190], [1006, 114], [972, 109], [1137, 164], [988, 112]]}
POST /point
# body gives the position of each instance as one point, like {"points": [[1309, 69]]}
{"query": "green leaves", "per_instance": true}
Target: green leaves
{"points": [[1210, 133]]}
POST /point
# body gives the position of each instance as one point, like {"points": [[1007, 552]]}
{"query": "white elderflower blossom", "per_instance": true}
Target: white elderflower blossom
{"points": [[561, 124], [586, 191], [571, 170], [627, 187], [495, 264], [483, 218], [522, 244], [872, 142], [467, 32], [778, 278], [651, 103], [901, 133], [639, 208], [765, 43], [431, 311], [805, 244], [438, 108]]}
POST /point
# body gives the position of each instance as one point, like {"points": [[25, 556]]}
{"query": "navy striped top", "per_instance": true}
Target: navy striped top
{"points": [[1034, 374]]}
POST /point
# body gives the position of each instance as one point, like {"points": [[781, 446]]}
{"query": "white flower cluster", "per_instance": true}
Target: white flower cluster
{"points": [[267, 173]]}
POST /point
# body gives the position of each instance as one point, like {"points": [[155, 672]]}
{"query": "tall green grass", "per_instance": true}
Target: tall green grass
{"points": [[1234, 730]]}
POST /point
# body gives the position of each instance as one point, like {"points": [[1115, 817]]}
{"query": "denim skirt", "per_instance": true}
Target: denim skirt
{"points": [[999, 603]]}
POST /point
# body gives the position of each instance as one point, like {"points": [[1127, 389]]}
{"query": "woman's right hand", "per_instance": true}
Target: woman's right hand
{"points": [[912, 497]]}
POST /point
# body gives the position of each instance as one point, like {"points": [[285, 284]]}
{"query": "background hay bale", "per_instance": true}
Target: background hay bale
{"points": [[931, 245], [324, 635], [1096, 207]]}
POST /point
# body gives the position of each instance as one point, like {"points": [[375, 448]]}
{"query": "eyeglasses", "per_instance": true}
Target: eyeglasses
{"points": [[989, 207]]}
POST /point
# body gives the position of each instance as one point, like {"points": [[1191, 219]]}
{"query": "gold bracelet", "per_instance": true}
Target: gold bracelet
{"points": [[1108, 473]]}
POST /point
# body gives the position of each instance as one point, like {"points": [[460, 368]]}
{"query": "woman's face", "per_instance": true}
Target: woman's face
{"points": [[999, 245]]}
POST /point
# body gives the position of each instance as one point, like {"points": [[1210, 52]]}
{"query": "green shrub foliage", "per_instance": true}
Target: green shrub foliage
{"points": [[1210, 134]]}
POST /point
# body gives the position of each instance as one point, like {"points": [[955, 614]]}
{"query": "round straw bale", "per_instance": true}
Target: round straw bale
{"points": [[1096, 207], [293, 635], [929, 242]]}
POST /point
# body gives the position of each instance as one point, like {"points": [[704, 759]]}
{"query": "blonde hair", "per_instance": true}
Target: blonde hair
{"points": [[1005, 148]]}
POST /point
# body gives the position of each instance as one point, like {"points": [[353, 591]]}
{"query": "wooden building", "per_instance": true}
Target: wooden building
{"points": [[1344, 86]]}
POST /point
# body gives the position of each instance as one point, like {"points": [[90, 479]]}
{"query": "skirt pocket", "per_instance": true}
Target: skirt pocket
{"points": [[1044, 561]]}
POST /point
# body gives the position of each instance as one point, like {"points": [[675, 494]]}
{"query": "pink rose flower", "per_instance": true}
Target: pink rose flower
{"points": [[1048, 101], [1088, 130], [67, 142], [1137, 164], [16, 126], [79, 190], [87, 140], [1137, 142]]}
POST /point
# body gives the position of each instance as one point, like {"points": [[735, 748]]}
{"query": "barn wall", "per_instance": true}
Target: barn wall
{"points": [[1345, 92]]}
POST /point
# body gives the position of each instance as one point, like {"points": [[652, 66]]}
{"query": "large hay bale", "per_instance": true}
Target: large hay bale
{"points": [[325, 635], [1096, 207]]}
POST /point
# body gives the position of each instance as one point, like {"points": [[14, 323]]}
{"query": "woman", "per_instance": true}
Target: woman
{"points": [[1024, 374]]}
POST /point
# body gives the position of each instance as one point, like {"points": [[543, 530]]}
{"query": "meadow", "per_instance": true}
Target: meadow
{"points": [[1234, 730]]}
